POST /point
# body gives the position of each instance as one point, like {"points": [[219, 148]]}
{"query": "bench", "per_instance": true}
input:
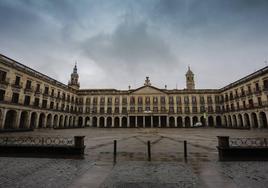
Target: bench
{"points": [[242, 149], [42, 146]]}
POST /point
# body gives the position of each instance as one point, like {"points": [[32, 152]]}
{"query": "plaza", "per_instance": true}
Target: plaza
{"points": [[167, 168]]}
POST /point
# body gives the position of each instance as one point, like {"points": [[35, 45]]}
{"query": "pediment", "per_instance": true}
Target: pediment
{"points": [[148, 90]]}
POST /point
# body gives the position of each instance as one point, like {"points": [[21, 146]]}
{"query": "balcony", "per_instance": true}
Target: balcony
{"points": [[28, 90], [4, 83], [17, 85]]}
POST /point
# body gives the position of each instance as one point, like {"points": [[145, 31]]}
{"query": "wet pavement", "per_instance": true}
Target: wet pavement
{"points": [[167, 168]]}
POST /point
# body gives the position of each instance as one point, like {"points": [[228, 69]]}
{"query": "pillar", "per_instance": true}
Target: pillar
{"points": [[143, 121], [105, 122], [159, 121], [112, 121], [120, 122], [3, 118], [128, 121], [167, 121], [136, 121], [152, 123], [176, 123], [17, 121]]}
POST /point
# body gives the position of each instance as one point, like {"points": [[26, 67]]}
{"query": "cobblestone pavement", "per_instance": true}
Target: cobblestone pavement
{"points": [[167, 169]]}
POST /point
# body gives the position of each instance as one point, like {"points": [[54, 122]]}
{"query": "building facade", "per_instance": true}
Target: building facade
{"points": [[30, 99]]}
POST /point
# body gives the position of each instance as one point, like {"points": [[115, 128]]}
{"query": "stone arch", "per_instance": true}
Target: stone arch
{"points": [[254, 118], [102, 121], [55, 121], [66, 121], [210, 121], [87, 121], [24, 117], [218, 121], [179, 122], [240, 120], [247, 120], [187, 121], [49, 121], [42, 118], [263, 120], [195, 120], [33, 121], [171, 122], [234, 121], [116, 122], [229, 124], [94, 121], [71, 121], [225, 121], [10, 121], [124, 122], [109, 122], [61, 122], [80, 121]]}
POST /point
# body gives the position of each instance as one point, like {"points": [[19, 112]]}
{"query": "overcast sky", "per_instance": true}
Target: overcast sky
{"points": [[117, 43]]}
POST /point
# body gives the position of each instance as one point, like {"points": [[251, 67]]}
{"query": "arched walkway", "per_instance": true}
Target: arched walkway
{"points": [[225, 121], [94, 122], [218, 121], [87, 121], [116, 122], [163, 121], [240, 121], [49, 121], [195, 120], [203, 120], [171, 122], [187, 121], [263, 120], [234, 121], [80, 121], [124, 122], [254, 120], [229, 121], [247, 120], [24, 117], [179, 122], [61, 123], [66, 121], [109, 122], [71, 121], [10, 121], [33, 123], [55, 121], [101, 122], [41, 123], [210, 121]]}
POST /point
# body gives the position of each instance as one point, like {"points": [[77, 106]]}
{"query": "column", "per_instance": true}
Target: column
{"points": [[159, 121], [2, 121], [105, 121], [136, 121], [183, 122], [167, 121], [112, 121], [143, 121], [17, 120], [120, 122], [176, 124], [128, 121], [28, 121], [45, 121], [191, 125], [152, 122], [98, 122]]}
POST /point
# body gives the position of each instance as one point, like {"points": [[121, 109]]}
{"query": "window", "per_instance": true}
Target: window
{"points": [[163, 100], [27, 100], [3, 75], [109, 100], [187, 109], [124, 100], [179, 110], [155, 100], [186, 100], [44, 104], [194, 109], [46, 91], [171, 101], [249, 89], [88, 101], [194, 99], [155, 109], [202, 100], [147, 99], [139, 100], [37, 88], [202, 109], [109, 110], [163, 109], [36, 102], [265, 85], [124, 110], [2, 94], [102, 110], [257, 87], [139, 109], [178, 99], [171, 109], [95, 100], [116, 100], [210, 109], [147, 109], [51, 106], [17, 81], [116, 110], [132, 109], [259, 101], [209, 98], [28, 84], [15, 98], [52, 92]]}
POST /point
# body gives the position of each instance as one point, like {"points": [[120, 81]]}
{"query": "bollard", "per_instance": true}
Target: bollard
{"points": [[185, 149], [115, 145], [149, 150]]}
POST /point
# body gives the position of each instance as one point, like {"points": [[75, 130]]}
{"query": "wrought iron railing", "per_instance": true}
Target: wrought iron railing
{"points": [[248, 142], [37, 141]]}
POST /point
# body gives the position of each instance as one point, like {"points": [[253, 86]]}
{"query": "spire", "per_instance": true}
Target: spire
{"points": [[75, 68], [190, 79]]}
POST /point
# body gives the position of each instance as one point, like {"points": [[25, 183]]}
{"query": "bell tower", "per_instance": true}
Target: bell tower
{"points": [[190, 85], [74, 78]]}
